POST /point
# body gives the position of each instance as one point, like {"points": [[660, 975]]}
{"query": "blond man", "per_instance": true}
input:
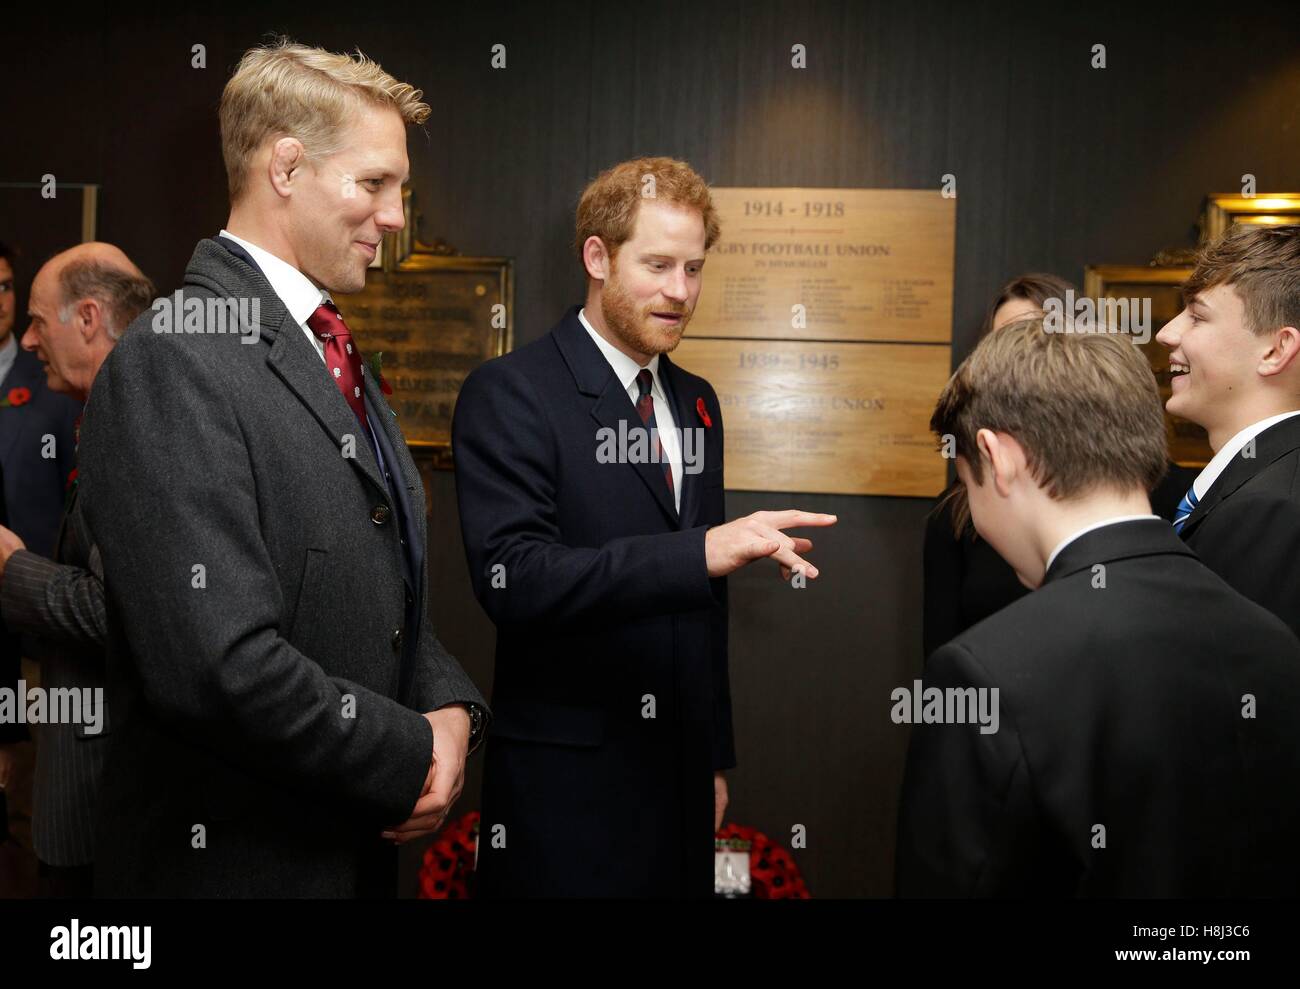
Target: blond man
{"points": [[287, 714], [1233, 360], [589, 473], [1127, 729]]}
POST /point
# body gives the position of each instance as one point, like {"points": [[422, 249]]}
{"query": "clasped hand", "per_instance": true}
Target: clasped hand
{"points": [[446, 775]]}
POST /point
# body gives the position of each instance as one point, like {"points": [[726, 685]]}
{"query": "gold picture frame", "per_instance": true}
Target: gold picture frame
{"points": [[1189, 446], [432, 316], [1223, 209]]}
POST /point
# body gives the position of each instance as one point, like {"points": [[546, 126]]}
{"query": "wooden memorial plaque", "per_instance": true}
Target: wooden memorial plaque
{"points": [[834, 418], [866, 264], [433, 319], [825, 325]]}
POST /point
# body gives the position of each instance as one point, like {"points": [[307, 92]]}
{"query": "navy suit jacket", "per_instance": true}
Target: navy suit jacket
{"points": [[34, 484], [611, 695]]}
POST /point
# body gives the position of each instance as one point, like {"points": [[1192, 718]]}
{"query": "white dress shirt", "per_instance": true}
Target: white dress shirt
{"points": [[295, 289], [301, 298], [1088, 528], [1206, 478], [626, 370]]}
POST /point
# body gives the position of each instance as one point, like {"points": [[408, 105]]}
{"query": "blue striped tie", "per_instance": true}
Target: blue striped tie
{"points": [[1185, 509]]}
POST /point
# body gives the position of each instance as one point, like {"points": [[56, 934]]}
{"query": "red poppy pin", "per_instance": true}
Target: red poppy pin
{"points": [[704, 413], [16, 397]]}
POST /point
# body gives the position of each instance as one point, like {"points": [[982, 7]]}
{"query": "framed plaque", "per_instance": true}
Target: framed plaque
{"points": [[1189, 446], [839, 418], [1270, 208], [433, 317], [871, 265], [825, 326]]}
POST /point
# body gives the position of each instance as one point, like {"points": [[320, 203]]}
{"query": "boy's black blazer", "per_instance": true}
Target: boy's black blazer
{"points": [[1139, 694]]}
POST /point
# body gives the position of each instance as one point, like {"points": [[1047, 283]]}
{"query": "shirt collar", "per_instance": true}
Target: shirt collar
{"points": [[625, 369], [295, 289], [1206, 478], [1088, 528], [9, 353]]}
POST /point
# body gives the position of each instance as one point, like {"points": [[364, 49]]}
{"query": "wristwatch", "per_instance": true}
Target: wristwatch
{"points": [[476, 722]]}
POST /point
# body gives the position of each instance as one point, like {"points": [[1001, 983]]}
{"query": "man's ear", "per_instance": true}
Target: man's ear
{"points": [[1285, 346], [89, 318], [595, 258], [287, 156], [1002, 456]]}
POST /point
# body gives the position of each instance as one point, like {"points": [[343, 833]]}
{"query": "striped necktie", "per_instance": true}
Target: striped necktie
{"points": [[1185, 508], [645, 405]]}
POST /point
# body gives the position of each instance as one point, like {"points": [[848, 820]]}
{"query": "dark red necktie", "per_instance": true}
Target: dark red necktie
{"points": [[342, 356], [645, 405]]}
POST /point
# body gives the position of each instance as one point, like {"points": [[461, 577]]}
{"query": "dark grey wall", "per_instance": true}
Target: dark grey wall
{"points": [[1057, 165]]}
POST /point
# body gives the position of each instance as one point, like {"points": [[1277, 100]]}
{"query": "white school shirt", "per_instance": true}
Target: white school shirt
{"points": [[1210, 473], [1088, 528]]}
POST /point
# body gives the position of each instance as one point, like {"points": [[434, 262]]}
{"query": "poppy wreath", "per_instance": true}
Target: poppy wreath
{"points": [[772, 870], [449, 861]]}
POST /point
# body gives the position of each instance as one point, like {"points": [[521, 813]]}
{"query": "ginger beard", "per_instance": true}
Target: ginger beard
{"points": [[634, 324]]}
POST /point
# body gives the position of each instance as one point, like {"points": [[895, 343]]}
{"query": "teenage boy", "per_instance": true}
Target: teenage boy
{"points": [[1232, 354], [1127, 729]]}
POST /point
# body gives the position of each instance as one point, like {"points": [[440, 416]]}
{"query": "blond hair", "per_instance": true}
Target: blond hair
{"points": [[1084, 405], [610, 203], [291, 90]]}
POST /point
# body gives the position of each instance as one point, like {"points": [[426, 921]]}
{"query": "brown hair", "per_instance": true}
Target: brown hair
{"points": [[1035, 287], [1084, 405], [609, 205], [290, 90], [1263, 264]]}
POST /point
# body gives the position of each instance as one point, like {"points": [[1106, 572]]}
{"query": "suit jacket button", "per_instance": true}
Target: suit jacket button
{"points": [[397, 640], [380, 515]]}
